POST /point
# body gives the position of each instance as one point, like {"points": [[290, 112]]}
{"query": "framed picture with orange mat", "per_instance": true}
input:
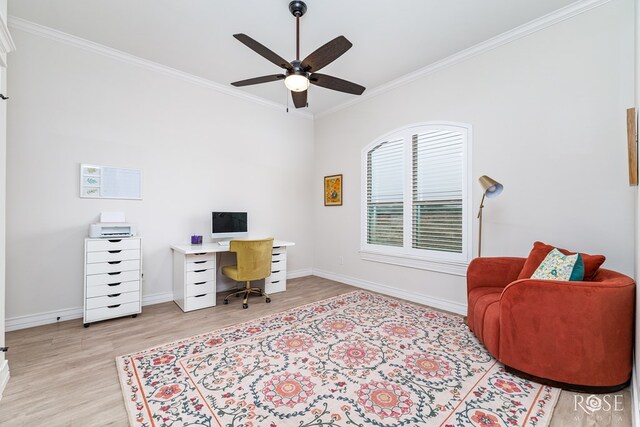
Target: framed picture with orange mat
{"points": [[333, 190]]}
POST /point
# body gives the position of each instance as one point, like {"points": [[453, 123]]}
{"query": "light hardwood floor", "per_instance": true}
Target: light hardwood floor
{"points": [[65, 375]]}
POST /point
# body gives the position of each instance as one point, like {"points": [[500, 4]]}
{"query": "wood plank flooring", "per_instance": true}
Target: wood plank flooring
{"points": [[65, 375]]}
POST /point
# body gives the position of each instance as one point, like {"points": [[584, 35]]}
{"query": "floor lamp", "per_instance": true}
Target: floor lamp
{"points": [[490, 188]]}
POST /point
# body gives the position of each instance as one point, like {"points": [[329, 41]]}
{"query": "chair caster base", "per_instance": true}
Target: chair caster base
{"points": [[226, 301], [245, 305], [268, 300]]}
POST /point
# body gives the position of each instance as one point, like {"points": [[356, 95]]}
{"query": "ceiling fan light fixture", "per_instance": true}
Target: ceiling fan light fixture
{"points": [[296, 82]]}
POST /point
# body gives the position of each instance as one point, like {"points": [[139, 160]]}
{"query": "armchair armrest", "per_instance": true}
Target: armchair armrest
{"points": [[573, 332], [493, 272]]}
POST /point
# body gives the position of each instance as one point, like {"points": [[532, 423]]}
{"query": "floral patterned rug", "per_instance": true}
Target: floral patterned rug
{"points": [[358, 359]]}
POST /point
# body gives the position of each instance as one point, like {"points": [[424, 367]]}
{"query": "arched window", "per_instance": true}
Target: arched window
{"points": [[415, 197]]}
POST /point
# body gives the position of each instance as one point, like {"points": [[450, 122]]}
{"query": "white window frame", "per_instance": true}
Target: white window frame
{"points": [[444, 262]]}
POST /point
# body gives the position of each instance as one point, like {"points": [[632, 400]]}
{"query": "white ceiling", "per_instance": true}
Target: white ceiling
{"points": [[390, 38]]}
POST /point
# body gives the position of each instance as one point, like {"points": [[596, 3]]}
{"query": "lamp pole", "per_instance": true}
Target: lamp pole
{"points": [[480, 224]]}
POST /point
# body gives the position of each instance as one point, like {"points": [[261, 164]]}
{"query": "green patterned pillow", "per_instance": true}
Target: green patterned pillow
{"points": [[557, 266]]}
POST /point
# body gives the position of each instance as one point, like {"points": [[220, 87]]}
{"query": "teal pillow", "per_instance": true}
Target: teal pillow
{"points": [[558, 266], [577, 275]]}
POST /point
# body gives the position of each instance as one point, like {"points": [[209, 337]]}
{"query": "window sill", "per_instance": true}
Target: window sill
{"points": [[457, 268]]}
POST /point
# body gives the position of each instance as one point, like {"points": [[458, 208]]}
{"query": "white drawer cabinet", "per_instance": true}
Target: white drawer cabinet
{"points": [[277, 282], [194, 280], [112, 278]]}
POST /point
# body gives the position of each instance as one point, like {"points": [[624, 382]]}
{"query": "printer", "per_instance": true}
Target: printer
{"points": [[112, 224]]}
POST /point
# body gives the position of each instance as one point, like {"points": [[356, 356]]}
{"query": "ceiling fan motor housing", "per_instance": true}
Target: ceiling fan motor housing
{"points": [[296, 68], [297, 8]]}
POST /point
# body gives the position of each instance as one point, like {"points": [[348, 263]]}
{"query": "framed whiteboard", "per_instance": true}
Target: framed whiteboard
{"points": [[106, 182]]}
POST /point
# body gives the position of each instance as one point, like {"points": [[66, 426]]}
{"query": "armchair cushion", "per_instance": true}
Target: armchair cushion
{"points": [[478, 301], [540, 250]]}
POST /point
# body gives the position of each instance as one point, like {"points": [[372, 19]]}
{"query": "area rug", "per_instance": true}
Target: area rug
{"points": [[358, 359]]}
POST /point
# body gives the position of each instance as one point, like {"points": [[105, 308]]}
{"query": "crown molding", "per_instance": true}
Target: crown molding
{"points": [[524, 30], [6, 43], [87, 45]]}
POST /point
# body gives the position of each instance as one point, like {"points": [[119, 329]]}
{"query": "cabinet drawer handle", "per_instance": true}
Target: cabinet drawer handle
{"points": [[115, 240], [114, 295], [201, 253], [114, 262], [200, 283], [115, 284], [115, 252], [274, 272], [274, 261], [114, 273], [199, 271], [114, 306], [198, 296], [275, 281], [199, 262]]}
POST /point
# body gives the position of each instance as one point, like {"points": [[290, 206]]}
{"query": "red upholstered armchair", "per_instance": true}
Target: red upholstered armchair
{"points": [[574, 335]]}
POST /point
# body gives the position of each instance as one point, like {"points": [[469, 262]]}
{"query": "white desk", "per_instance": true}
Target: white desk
{"points": [[194, 273]]}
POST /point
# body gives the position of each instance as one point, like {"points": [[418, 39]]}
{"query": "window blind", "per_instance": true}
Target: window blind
{"points": [[437, 184], [385, 164]]}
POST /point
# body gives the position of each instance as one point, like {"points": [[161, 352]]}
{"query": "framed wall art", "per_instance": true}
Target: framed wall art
{"points": [[333, 190], [632, 145]]}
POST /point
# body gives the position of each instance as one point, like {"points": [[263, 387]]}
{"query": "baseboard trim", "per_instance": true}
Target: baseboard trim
{"points": [[303, 272], [45, 318], [157, 298], [4, 375], [49, 317], [635, 402], [430, 301]]}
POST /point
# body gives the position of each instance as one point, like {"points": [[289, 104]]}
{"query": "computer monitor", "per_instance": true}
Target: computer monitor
{"points": [[228, 224]]}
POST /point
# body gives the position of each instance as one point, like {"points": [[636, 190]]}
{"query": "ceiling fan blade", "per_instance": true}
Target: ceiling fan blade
{"points": [[334, 83], [258, 80], [326, 54], [299, 99], [263, 51]]}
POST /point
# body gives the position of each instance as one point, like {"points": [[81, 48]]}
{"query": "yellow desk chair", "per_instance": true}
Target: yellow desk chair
{"points": [[254, 263]]}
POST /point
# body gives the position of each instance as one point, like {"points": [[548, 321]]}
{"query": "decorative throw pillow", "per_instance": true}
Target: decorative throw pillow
{"points": [[540, 250], [557, 266]]}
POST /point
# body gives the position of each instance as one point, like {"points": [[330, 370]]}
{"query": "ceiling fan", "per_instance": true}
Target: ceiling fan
{"points": [[299, 74]]}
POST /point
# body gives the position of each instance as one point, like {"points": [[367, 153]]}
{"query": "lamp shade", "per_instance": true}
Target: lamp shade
{"points": [[297, 82], [490, 187]]}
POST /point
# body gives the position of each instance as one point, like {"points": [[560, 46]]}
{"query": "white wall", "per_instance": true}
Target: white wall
{"points": [[4, 367], [199, 150], [636, 391], [548, 116]]}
